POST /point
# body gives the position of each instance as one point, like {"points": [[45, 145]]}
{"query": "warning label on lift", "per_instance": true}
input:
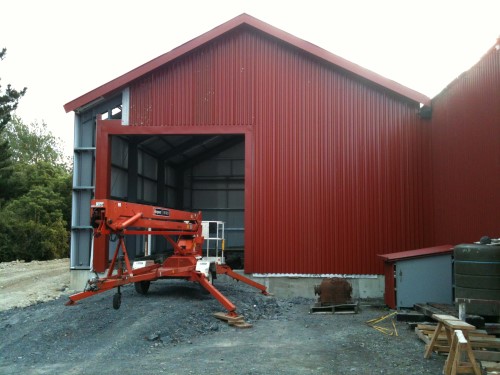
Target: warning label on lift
{"points": [[161, 211]]}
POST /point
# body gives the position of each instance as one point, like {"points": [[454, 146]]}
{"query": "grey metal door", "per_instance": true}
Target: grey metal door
{"points": [[424, 280]]}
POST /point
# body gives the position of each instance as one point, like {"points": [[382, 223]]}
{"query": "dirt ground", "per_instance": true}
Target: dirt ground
{"points": [[24, 284], [172, 331]]}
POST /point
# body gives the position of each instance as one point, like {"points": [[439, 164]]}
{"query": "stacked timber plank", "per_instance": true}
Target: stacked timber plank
{"points": [[429, 309], [485, 347], [344, 308], [234, 321]]}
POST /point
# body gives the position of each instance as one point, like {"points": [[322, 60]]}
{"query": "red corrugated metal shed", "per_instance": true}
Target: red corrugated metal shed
{"points": [[389, 263], [466, 154], [337, 158]]}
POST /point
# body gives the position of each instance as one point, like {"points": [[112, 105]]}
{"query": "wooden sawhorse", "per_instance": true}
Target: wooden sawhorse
{"points": [[454, 363], [457, 336]]}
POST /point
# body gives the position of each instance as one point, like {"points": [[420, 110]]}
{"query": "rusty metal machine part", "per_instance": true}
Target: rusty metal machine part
{"points": [[333, 291], [181, 229]]}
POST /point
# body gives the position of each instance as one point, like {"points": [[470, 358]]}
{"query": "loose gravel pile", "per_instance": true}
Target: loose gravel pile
{"points": [[171, 330]]}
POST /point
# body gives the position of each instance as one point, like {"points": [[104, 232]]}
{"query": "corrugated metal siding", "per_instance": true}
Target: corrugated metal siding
{"points": [[213, 86], [466, 154], [339, 170], [339, 167]]}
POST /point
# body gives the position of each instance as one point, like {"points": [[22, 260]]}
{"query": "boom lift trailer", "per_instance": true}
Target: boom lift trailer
{"points": [[183, 230]]}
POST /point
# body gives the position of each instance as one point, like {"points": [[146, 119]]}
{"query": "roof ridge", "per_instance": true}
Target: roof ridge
{"points": [[244, 18]]}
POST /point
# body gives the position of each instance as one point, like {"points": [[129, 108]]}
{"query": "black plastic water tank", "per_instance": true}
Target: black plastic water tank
{"points": [[477, 276]]}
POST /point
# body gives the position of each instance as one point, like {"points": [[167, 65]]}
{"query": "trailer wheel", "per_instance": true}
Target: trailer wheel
{"points": [[117, 301], [477, 253], [212, 272], [142, 287]]}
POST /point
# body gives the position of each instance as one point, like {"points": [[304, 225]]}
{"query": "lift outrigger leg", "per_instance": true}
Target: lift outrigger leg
{"points": [[111, 217], [223, 269]]}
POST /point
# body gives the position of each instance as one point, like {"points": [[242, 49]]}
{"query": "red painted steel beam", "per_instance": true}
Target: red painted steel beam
{"points": [[114, 127], [103, 160], [249, 199], [177, 271], [119, 210], [108, 283], [102, 189], [390, 285]]}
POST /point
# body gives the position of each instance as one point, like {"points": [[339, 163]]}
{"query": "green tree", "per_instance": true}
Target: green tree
{"points": [[8, 103], [35, 187], [31, 144], [35, 218], [38, 160], [34, 227]]}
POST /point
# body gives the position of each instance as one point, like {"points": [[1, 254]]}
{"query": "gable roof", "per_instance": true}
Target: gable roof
{"points": [[244, 19]]}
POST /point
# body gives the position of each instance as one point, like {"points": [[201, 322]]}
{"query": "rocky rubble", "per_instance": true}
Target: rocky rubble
{"points": [[171, 330]]}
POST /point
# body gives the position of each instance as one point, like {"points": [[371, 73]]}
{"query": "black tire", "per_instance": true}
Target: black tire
{"points": [[477, 276], [477, 281], [477, 253], [477, 268], [142, 287], [488, 294], [117, 301]]}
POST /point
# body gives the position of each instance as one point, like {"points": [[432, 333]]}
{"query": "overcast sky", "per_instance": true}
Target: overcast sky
{"points": [[63, 49]]}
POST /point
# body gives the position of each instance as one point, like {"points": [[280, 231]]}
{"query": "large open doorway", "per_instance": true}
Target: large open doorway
{"points": [[186, 172]]}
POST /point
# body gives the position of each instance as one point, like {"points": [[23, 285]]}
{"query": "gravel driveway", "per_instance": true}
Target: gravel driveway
{"points": [[172, 331]]}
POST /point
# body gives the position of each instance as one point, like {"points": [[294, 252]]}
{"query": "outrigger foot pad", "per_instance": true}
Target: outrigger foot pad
{"points": [[235, 321]]}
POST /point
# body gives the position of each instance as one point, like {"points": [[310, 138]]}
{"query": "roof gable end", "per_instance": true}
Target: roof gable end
{"points": [[243, 19]]}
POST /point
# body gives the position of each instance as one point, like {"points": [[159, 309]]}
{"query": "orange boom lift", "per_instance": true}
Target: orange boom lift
{"points": [[180, 228]]}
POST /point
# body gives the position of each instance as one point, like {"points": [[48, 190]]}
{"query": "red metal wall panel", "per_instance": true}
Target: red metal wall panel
{"points": [[212, 86], [340, 171], [466, 154], [339, 167]]}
